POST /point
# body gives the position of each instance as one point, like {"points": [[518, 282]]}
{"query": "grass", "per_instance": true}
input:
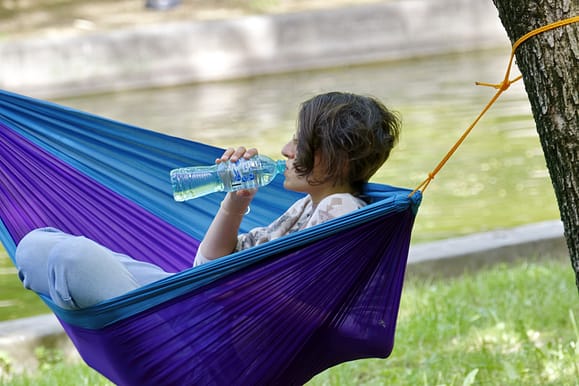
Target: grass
{"points": [[507, 325], [15, 301]]}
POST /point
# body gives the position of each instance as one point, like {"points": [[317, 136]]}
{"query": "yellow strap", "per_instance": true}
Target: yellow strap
{"points": [[501, 87]]}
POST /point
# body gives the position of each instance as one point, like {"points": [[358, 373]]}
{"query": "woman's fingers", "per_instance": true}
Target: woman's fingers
{"points": [[234, 154], [250, 153]]}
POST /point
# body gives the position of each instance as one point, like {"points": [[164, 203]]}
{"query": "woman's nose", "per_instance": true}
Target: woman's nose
{"points": [[288, 150]]}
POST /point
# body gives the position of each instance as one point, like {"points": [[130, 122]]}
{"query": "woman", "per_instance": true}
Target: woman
{"points": [[341, 141]]}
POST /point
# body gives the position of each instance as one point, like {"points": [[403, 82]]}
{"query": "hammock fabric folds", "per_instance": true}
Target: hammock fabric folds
{"points": [[278, 313]]}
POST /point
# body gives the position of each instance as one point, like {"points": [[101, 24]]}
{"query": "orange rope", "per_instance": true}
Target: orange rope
{"points": [[501, 87]]}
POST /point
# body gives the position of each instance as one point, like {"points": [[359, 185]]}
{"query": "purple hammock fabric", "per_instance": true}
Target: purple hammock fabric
{"points": [[279, 313]]}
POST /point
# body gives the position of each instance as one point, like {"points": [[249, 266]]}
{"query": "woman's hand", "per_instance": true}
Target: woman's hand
{"points": [[241, 198], [221, 237]]}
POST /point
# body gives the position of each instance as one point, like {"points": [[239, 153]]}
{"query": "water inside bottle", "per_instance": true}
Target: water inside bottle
{"points": [[193, 184]]}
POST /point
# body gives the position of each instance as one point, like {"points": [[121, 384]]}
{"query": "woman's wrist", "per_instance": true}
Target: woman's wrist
{"points": [[236, 212], [232, 205]]}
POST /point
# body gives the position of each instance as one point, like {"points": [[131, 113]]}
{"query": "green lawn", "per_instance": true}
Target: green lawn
{"points": [[15, 301], [507, 325]]}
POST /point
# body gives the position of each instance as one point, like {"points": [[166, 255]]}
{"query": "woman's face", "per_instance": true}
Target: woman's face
{"points": [[293, 181]]}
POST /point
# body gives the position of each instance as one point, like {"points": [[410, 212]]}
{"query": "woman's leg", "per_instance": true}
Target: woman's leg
{"points": [[82, 273], [77, 272], [32, 257]]}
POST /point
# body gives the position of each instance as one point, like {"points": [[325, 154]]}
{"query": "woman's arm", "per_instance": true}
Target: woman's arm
{"points": [[221, 237]]}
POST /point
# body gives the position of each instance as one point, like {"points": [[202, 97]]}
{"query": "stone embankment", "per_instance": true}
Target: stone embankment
{"points": [[182, 52]]}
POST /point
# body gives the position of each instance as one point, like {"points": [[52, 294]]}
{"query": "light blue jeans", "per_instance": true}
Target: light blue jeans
{"points": [[77, 272]]}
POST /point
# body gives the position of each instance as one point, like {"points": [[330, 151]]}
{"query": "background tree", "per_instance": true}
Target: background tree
{"points": [[549, 63]]}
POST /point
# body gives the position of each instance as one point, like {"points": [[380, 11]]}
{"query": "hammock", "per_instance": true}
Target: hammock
{"points": [[278, 313]]}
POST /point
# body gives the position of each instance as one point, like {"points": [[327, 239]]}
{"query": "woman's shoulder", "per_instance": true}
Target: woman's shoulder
{"points": [[340, 203], [334, 205]]}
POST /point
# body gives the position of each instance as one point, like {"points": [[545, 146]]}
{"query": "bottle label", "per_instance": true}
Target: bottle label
{"points": [[241, 174]]}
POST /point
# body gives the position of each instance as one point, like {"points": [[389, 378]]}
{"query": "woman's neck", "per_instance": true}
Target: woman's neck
{"points": [[319, 192]]}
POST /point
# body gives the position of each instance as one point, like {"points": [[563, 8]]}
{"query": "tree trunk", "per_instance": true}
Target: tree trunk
{"points": [[549, 63]]}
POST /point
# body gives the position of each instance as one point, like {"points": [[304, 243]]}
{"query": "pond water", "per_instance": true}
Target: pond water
{"points": [[497, 179]]}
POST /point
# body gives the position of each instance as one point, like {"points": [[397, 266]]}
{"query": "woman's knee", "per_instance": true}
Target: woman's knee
{"points": [[82, 272], [76, 251], [37, 244], [32, 255]]}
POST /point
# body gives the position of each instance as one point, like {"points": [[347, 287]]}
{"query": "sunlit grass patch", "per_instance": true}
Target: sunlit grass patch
{"points": [[509, 325]]}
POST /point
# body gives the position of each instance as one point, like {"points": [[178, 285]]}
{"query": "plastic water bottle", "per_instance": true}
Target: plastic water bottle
{"points": [[196, 181]]}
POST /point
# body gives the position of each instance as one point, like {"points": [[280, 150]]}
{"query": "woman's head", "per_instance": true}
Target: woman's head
{"points": [[343, 138]]}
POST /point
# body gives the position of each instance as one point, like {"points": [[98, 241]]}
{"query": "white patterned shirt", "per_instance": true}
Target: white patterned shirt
{"points": [[301, 215]]}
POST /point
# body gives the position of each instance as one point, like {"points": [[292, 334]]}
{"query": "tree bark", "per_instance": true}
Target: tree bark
{"points": [[549, 63]]}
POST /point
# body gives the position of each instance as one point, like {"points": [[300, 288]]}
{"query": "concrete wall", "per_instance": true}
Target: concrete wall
{"points": [[20, 338], [473, 252], [186, 52]]}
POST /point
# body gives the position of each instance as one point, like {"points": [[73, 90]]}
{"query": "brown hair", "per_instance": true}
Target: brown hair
{"points": [[353, 134]]}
